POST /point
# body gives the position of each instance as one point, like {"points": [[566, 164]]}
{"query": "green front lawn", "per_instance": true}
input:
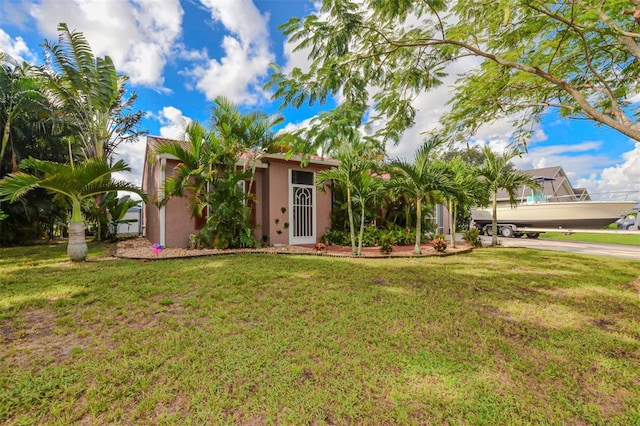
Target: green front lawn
{"points": [[499, 336], [628, 239]]}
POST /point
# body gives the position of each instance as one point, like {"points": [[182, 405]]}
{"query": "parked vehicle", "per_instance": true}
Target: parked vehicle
{"points": [[628, 222]]}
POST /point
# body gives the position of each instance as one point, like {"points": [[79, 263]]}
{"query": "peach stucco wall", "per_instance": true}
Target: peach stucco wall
{"points": [[178, 222], [271, 189], [150, 212], [277, 194]]}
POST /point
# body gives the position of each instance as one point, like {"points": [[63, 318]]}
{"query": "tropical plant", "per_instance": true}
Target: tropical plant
{"points": [[472, 236], [229, 220], [198, 156], [250, 134], [420, 179], [367, 190], [498, 174], [72, 183], [576, 57], [465, 186], [90, 94], [353, 164], [20, 91], [116, 209]]}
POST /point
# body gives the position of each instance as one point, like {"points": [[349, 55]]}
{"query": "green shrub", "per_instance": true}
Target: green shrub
{"points": [[472, 236]]}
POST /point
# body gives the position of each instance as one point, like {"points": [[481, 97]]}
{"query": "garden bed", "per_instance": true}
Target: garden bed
{"points": [[141, 248]]}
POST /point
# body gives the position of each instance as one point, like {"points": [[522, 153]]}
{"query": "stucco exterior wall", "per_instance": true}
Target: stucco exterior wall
{"points": [[150, 212], [178, 222], [277, 193]]}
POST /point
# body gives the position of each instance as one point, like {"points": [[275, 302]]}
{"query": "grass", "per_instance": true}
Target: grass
{"points": [[499, 336], [626, 239]]}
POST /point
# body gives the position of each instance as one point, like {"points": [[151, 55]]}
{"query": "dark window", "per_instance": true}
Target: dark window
{"points": [[301, 178]]}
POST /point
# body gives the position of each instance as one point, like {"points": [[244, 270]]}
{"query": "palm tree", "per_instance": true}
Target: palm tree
{"points": [[353, 164], [250, 134], [71, 182], [465, 185], [199, 156], [420, 179], [20, 92], [367, 190], [90, 94], [498, 174]]}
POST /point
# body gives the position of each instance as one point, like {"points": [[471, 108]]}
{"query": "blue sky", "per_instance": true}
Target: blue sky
{"points": [[179, 55]]}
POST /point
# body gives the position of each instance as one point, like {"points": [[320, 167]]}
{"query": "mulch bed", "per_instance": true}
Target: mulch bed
{"points": [[140, 248]]}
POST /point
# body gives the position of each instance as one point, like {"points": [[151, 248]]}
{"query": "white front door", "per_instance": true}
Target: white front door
{"points": [[302, 211]]}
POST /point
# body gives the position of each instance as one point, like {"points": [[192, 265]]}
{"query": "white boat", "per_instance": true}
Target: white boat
{"points": [[572, 209], [560, 214]]}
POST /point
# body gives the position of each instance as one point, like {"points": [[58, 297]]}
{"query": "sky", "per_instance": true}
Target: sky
{"points": [[180, 55]]}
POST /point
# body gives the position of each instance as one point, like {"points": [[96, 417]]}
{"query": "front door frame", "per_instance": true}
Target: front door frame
{"points": [[304, 239]]}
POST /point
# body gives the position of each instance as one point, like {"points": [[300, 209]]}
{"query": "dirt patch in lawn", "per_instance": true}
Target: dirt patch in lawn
{"points": [[140, 248]]}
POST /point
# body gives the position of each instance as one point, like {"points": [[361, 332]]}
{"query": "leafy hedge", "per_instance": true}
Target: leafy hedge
{"points": [[374, 237]]}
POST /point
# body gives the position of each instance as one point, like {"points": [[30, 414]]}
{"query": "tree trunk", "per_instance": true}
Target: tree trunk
{"points": [[351, 224], [494, 220], [452, 223], [361, 232], [77, 249], [416, 249]]}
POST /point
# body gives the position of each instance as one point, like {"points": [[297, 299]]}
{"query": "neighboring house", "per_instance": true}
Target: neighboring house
{"points": [[555, 186], [134, 214], [288, 209]]}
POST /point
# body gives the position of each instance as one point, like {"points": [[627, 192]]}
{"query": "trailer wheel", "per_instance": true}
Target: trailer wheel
{"points": [[532, 235], [507, 232], [489, 230]]}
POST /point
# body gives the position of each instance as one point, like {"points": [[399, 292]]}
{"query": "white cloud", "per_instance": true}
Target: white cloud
{"points": [[240, 72], [16, 48], [137, 34], [133, 154], [172, 123], [172, 126], [621, 177]]}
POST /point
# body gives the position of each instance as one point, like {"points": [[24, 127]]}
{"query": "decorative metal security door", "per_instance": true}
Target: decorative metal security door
{"points": [[302, 209]]}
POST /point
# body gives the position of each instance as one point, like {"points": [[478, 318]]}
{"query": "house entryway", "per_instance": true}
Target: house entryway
{"points": [[302, 212]]}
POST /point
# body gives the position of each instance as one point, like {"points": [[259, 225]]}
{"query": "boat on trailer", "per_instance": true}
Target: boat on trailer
{"points": [[538, 212]]}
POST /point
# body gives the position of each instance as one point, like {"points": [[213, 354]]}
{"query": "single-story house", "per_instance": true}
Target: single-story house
{"points": [[288, 208]]}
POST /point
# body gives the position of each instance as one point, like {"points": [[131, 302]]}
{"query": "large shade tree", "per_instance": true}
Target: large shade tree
{"points": [[497, 174], [579, 57], [72, 183]]}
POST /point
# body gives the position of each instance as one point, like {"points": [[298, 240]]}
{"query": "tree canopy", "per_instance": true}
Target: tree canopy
{"points": [[579, 57]]}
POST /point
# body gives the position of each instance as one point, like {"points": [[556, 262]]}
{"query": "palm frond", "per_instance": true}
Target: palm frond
{"points": [[15, 185]]}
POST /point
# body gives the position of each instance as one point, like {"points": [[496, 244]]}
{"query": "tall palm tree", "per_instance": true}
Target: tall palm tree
{"points": [[90, 94], [420, 179], [71, 182], [354, 162], [250, 134], [497, 174], [367, 190], [465, 185], [199, 155]]}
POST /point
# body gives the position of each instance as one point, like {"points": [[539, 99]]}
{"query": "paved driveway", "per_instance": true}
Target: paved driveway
{"points": [[613, 250]]}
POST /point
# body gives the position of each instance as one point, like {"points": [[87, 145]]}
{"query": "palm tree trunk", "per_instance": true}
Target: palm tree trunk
{"points": [[351, 224], [494, 220], [416, 249], [360, 236], [452, 223], [77, 249]]}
